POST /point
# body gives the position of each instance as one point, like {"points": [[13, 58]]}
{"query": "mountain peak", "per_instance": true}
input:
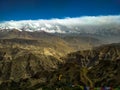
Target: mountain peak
{"points": [[98, 24]]}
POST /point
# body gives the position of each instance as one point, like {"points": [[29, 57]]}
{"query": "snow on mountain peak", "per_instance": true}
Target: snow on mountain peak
{"points": [[87, 24]]}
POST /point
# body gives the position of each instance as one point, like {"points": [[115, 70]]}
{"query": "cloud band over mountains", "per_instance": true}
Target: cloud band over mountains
{"points": [[63, 25]]}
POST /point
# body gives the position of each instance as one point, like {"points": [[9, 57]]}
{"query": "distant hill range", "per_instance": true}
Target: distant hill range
{"points": [[78, 41]]}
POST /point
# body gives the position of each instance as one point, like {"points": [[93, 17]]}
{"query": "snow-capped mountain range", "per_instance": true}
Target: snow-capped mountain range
{"points": [[86, 24]]}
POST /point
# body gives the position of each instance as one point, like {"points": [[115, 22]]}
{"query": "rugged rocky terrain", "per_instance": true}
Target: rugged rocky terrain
{"points": [[30, 60], [97, 67], [25, 65]]}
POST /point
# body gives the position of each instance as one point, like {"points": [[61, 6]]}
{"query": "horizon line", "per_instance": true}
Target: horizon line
{"points": [[61, 18]]}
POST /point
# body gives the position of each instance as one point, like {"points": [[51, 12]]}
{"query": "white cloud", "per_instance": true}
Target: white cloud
{"points": [[68, 22]]}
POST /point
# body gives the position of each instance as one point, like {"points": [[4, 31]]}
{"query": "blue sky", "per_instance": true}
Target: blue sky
{"points": [[47, 9]]}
